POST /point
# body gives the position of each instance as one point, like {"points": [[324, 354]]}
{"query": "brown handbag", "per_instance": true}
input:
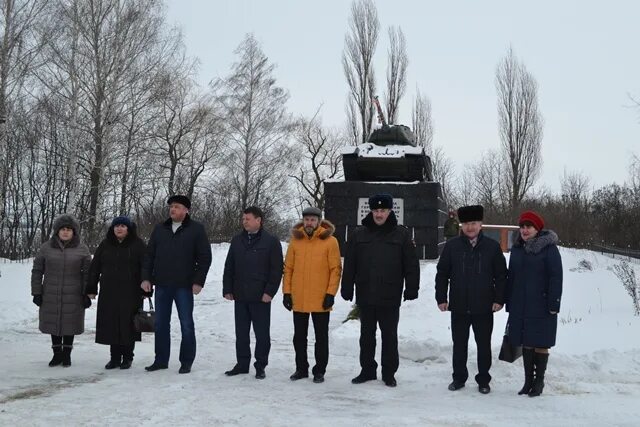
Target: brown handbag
{"points": [[144, 321]]}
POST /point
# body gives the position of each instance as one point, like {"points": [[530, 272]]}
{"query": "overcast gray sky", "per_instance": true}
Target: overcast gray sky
{"points": [[584, 55]]}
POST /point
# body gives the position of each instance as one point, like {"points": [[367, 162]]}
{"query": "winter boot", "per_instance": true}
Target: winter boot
{"points": [[66, 355], [298, 375], [540, 362], [527, 362], [113, 363], [57, 355]]}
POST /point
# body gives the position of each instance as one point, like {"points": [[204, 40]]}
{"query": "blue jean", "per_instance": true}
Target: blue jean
{"points": [[183, 297]]}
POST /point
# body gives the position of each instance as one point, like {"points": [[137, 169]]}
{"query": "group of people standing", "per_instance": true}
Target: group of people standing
{"points": [[380, 265]]}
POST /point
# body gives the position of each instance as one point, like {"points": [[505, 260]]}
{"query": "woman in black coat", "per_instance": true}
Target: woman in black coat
{"points": [[534, 290], [117, 266]]}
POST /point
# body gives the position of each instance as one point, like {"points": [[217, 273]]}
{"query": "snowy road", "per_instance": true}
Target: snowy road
{"points": [[593, 376]]}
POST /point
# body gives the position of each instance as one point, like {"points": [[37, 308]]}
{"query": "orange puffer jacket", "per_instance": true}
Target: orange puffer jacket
{"points": [[312, 267]]}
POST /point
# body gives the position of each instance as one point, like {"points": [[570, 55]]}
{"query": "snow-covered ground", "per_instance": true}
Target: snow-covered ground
{"points": [[593, 376]]}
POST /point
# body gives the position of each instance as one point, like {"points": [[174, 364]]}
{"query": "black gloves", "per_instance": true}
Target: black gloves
{"points": [[287, 301], [37, 300], [347, 296], [410, 295], [86, 301], [328, 301]]}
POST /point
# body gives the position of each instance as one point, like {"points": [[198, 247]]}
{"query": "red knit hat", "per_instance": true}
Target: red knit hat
{"points": [[532, 217]]}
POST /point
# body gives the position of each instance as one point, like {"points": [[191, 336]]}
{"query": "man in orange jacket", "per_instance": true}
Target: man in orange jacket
{"points": [[311, 278]]}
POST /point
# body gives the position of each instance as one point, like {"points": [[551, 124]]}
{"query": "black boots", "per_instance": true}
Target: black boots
{"points": [[66, 355], [298, 375], [527, 361], [57, 355], [237, 370], [113, 363], [540, 362], [364, 377]]}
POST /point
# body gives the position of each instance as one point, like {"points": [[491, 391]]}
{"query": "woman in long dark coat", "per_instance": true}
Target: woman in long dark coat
{"points": [[534, 290], [116, 265], [58, 279]]}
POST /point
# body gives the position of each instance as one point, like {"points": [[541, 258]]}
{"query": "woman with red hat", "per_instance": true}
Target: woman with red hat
{"points": [[533, 293]]}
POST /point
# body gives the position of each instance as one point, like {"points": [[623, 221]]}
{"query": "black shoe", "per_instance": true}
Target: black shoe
{"points": [[184, 369], [56, 360], [390, 382], [540, 361], [318, 378], [126, 364], [455, 385], [298, 375], [236, 371], [484, 389], [155, 366], [113, 364], [260, 375], [66, 356], [363, 378]]}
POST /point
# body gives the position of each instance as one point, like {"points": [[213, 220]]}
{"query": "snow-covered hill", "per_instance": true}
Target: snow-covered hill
{"points": [[593, 375]]}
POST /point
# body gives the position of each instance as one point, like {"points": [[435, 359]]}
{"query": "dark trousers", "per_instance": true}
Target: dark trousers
{"points": [[387, 318], [482, 325], [257, 314], [321, 348], [122, 351], [164, 298], [66, 340]]}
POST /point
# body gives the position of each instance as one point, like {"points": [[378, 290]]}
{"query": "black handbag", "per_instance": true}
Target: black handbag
{"points": [[144, 321], [509, 352]]}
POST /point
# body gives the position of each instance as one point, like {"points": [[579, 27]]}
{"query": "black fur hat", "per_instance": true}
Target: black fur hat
{"points": [[178, 198], [68, 221], [381, 201], [470, 213]]}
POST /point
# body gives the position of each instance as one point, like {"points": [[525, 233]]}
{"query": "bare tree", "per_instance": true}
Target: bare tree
{"points": [[320, 159], [443, 172], [396, 72], [634, 172], [93, 58], [520, 126], [422, 122], [357, 62], [257, 128], [19, 49], [488, 180]]}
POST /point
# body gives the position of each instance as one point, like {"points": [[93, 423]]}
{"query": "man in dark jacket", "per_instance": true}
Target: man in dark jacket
{"points": [[176, 263], [380, 260], [473, 270], [252, 274]]}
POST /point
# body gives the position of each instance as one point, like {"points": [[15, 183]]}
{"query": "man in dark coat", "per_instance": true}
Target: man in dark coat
{"points": [[380, 261], [176, 263], [252, 274], [116, 265], [472, 271]]}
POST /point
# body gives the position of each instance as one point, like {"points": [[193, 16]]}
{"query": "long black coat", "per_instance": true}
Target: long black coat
{"points": [[253, 267], [380, 261], [534, 290], [117, 267], [474, 277], [179, 259]]}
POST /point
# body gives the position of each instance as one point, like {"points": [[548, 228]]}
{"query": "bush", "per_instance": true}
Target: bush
{"points": [[627, 276]]}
